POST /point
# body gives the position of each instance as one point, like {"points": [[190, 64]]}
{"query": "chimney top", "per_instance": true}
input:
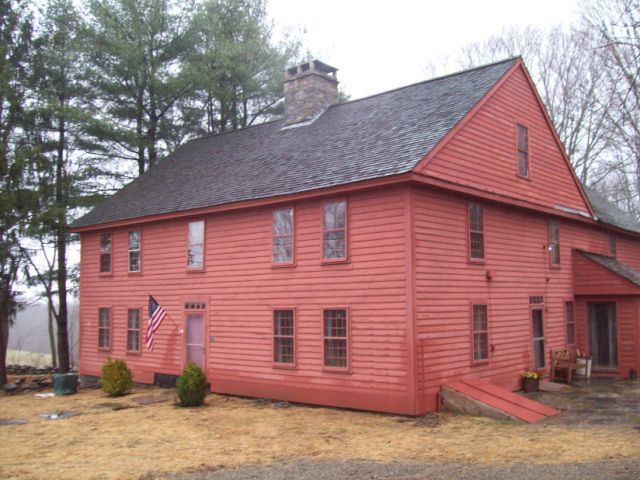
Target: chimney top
{"points": [[309, 89], [314, 65]]}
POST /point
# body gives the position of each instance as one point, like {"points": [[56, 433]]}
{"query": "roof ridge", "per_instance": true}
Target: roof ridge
{"points": [[433, 79], [336, 105]]}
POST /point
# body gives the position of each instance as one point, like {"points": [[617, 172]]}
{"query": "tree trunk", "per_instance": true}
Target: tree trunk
{"points": [[63, 334], [52, 339], [4, 334], [140, 139], [61, 245]]}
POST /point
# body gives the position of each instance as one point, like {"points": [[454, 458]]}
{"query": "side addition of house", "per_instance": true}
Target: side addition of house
{"points": [[364, 254]]}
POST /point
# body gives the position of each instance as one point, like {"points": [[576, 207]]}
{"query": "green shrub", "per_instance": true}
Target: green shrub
{"points": [[191, 386], [117, 379]]}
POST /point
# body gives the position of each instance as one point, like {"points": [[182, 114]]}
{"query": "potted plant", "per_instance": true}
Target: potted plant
{"points": [[530, 381]]}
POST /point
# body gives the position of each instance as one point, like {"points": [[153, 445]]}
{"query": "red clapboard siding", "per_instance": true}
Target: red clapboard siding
{"points": [[518, 262], [241, 288], [594, 279], [483, 153]]}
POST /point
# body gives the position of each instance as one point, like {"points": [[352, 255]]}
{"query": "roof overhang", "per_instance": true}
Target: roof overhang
{"points": [[595, 274]]}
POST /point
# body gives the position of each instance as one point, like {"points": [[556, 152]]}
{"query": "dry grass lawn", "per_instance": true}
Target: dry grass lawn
{"points": [[228, 431]]}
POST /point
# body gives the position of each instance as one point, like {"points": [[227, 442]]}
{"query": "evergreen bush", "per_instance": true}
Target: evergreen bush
{"points": [[191, 386], [117, 379]]}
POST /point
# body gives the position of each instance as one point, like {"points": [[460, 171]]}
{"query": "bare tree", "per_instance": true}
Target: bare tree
{"points": [[616, 24]]}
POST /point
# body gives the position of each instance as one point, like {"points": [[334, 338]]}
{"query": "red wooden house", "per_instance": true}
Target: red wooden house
{"points": [[363, 254]]}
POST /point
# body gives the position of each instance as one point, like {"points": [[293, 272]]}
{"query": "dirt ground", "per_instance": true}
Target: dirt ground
{"points": [[144, 435]]}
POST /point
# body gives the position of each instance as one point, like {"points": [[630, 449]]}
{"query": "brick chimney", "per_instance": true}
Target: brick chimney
{"points": [[308, 90]]}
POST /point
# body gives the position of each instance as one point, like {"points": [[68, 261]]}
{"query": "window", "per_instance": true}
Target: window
{"points": [[613, 247], [570, 323], [134, 251], [476, 232], [335, 339], [283, 337], [334, 234], [282, 250], [523, 150], [105, 252], [195, 250], [538, 337], [133, 330], [480, 333], [554, 242], [104, 328]]}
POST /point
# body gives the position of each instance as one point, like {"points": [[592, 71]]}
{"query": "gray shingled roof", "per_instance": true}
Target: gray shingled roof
{"points": [[609, 213], [615, 266], [377, 136]]}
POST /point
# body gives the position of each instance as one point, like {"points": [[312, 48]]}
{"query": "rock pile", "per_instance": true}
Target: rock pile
{"points": [[23, 384], [30, 370]]}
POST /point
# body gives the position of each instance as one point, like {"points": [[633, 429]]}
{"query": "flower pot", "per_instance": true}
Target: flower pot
{"points": [[530, 384]]}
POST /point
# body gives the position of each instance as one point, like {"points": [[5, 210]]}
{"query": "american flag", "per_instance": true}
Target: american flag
{"points": [[156, 315]]}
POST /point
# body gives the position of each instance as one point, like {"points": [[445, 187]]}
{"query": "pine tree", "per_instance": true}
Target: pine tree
{"points": [[16, 156]]}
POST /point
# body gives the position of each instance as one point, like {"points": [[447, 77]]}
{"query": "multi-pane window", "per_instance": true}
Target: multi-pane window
{"points": [[480, 333], [334, 235], [523, 150], [134, 250], [554, 242], [283, 337], [195, 249], [570, 323], [282, 251], [104, 328], [133, 330], [538, 337], [476, 232], [613, 247], [105, 252], [335, 339]]}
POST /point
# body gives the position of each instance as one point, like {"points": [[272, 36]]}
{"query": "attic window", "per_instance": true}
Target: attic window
{"points": [[523, 150]]}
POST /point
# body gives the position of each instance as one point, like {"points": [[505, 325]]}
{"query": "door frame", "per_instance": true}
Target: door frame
{"points": [[186, 311], [605, 301], [542, 308]]}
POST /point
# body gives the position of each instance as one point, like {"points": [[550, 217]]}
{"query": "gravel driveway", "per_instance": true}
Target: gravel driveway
{"points": [[343, 470]]}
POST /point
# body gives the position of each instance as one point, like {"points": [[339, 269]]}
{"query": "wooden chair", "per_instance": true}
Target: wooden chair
{"points": [[563, 364]]}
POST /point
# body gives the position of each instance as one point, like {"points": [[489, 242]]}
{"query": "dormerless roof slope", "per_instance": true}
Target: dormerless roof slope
{"points": [[609, 213], [377, 136], [615, 266]]}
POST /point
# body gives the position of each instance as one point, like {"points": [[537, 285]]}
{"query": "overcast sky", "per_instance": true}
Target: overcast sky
{"points": [[381, 45]]}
